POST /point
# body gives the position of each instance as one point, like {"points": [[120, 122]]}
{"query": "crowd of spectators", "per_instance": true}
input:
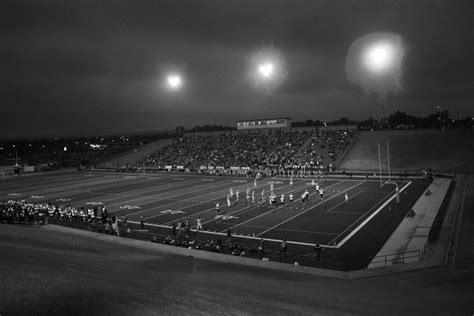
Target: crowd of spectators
{"points": [[42, 213], [233, 248], [22, 212], [283, 152]]}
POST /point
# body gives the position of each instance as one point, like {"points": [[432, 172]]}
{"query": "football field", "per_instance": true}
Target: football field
{"points": [[354, 229]]}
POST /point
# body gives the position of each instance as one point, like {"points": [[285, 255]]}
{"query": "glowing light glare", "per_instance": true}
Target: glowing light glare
{"points": [[174, 82], [374, 63], [379, 57], [267, 69]]}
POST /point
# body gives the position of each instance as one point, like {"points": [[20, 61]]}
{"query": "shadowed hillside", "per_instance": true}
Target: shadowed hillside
{"points": [[441, 150]]}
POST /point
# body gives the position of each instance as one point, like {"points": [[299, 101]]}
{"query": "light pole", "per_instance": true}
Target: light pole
{"points": [[267, 71], [174, 83]]}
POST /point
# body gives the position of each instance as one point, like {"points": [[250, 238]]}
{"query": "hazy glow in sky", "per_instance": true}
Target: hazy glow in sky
{"points": [[379, 57], [267, 69], [174, 81], [374, 63], [100, 67]]}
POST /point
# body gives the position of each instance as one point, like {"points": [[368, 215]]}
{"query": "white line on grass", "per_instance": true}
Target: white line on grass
{"points": [[323, 201], [352, 233], [333, 207], [274, 209]]}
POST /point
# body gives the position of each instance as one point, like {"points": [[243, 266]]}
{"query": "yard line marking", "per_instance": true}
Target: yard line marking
{"points": [[241, 211], [289, 219], [160, 187], [293, 230], [348, 213], [185, 207], [331, 208], [186, 199], [210, 209], [273, 209], [352, 233]]}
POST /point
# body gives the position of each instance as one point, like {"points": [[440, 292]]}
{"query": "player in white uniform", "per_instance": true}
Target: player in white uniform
{"points": [[198, 223], [228, 201], [346, 197], [321, 193], [282, 199], [291, 197]]}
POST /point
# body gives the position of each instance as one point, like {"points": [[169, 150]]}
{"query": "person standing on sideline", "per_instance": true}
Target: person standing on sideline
{"points": [[346, 197], [142, 225], [199, 224], [262, 247], [174, 229], [283, 248], [317, 250], [229, 235]]}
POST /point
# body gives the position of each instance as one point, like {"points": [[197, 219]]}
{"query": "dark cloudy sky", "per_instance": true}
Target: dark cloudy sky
{"points": [[88, 67]]}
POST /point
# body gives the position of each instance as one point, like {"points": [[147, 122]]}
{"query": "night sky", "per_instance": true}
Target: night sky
{"points": [[98, 67]]}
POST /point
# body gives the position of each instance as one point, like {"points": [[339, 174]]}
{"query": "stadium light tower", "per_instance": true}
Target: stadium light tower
{"points": [[174, 82], [267, 71], [379, 57]]}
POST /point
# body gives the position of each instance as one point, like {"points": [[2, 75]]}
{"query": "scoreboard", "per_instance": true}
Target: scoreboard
{"points": [[264, 123]]}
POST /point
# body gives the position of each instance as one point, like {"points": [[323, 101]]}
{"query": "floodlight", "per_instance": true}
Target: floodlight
{"points": [[266, 69], [174, 82], [379, 57]]}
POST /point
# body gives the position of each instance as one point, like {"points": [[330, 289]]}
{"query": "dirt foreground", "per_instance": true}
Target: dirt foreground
{"points": [[49, 272]]}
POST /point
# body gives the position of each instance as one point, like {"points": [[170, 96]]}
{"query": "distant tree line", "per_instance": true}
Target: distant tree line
{"points": [[402, 121], [398, 120], [308, 123]]}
